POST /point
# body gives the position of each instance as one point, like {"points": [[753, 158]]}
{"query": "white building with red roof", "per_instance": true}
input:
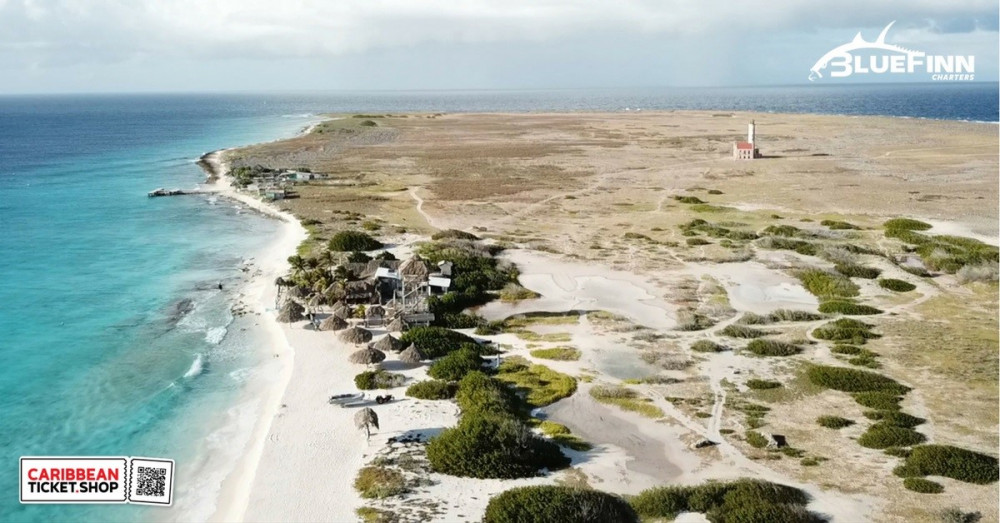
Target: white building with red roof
{"points": [[747, 150]]}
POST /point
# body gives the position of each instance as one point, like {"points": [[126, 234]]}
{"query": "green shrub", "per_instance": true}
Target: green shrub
{"points": [[688, 199], [781, 315], [714, 191], [462, 320], [435, 342], [557, 353], [479, 392], [952, 462], [898, 452], [368, 123], [756, 439], [896, 285], [773, 348], [455, 365], [697, 241], [851, 350], [514, 292], [490, 445], [539, 384], [555, 504], [490, 328], [852, 270], [378, 379], [848, 308], [838, 225], [883, 435], [707, 346], [906, 224], [345, 241], [834, 422], [788, 244], [454, 234], [781, 230], [432, 390], [627, 399], [663, 502], [741, 501], [923, 486], [756, 384], [740, 331], [379, 482], [895, 417], [358, 257], [846, 329], [853, 380], [827, 285]]}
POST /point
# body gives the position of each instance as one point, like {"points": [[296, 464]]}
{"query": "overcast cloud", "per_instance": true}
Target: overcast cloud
{"points": [[114, 45]]}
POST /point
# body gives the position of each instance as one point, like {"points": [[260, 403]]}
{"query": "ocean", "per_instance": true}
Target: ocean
{"points": [[115, 337]]}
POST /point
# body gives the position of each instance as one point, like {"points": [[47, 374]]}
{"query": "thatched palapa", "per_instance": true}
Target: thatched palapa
{"points": [[414, 268], [333, 323], [375, 311], [411, 355], [396, 325], [388, 343], [367, 356], [297, 292], [356, 335], [291, 311]]}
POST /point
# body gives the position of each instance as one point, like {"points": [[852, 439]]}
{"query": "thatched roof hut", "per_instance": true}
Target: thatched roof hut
{"points": [[414, 268], [396, 325], [315, 301], [356, 335], [388, 343], [367, 356], [291, 311], [375, 311], [411, 355], [333, 323], [343, 313], [297, 292]]}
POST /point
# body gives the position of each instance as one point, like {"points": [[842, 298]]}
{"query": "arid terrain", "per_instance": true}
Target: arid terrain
{"points": [[688, 254]]}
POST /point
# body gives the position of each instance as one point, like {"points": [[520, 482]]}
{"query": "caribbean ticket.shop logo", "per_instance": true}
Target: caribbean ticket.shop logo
{"points": [[861, 57], [146, 481]]}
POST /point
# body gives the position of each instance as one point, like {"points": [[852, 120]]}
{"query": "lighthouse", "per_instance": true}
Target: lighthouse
{"points": [[747, 150]]}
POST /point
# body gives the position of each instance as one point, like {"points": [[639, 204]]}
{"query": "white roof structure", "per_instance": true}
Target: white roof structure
{"points": [[439, 281], [385, 272]]}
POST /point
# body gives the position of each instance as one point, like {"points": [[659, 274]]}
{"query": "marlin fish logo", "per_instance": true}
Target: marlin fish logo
{"points": [[843, 52]]}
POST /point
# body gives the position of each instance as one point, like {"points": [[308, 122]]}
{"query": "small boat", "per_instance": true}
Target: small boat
{"points": [[339, 399]]}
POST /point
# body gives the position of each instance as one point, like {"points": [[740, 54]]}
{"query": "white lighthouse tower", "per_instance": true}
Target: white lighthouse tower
{"points": [[747, 150], [751, 132]]}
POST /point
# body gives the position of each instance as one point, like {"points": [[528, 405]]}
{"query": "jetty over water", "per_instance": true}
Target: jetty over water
{"points": [[174, 192]]}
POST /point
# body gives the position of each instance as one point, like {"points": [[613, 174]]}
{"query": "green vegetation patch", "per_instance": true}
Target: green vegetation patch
{"points": [[853, 270], [781, 230], [514, 292], [846, 329], [778, 316], [895, 417], [773, 348], [562, 435], [757, 384], [707, 346], [435, 342], [827, 285], [432, 390], [741, 331], [788, 244], [837, 225], [378, 379], [557, 353], [454, 234], [906, 224], [923, 486], [550, 503], [539, 384], [853, 380], [627, 399], [689, 199], [379, 482], [884, 435], [878, 400], [349, 241], [834, 422], [847, 307], [455, 365], [893, 284], [741, 501], [950, 462]]}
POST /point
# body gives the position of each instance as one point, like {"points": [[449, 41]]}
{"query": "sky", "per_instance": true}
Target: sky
{"points": [[50, 46]]}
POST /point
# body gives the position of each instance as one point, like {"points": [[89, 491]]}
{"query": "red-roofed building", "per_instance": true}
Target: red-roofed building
{"points": [[747, 150]]}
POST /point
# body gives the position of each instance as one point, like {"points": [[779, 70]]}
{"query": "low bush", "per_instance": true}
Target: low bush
{"points": [[878, 400], [697, 241], [781, 315], [741, 501], [898, 452], [454, 234], [479, 392], [848, 308], [756, 439], [923, 486], [773, 348], [853, 270], [788, 244], [435, 342], [555, 504], [740, 331], [557, 353], [952, 462], [379, 482], [514, 292], [462, 320], [627, 399], [853, 380], [883, 435], [707, 346], [837, 225], [827, 285], [349, 241], [539, 385], [834, 422], [906, 224], [850, 350], [781, 230], [455, 365], [846, 329], [490, 328], [893, 284], [895, 417], [756, 384], [432, 390], [689, 199], [490, 445], [378, 379]]}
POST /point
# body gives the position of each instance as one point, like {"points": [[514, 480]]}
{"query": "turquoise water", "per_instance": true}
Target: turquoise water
{"points": [[113, 336]]}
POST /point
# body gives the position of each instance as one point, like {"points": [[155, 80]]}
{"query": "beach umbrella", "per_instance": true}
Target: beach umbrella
{"points": [[356, 335], [367, 356], [388, 343], [396, 325], [315, 301], [366, 419], [411, 355], [291, 311], [296, 292], [333, 323]]}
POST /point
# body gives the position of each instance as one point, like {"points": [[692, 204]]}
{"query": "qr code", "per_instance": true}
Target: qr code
{"points": [[151, 481]]}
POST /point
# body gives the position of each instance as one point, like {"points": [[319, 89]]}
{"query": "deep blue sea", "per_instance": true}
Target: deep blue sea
{"points": [[113, 335]]}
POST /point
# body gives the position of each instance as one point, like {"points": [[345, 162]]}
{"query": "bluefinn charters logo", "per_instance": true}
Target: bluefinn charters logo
{"points": [[861, 57]]}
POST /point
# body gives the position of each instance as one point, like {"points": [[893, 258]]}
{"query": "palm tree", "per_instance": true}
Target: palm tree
{"points": [[366, 419], [297, 262]]}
